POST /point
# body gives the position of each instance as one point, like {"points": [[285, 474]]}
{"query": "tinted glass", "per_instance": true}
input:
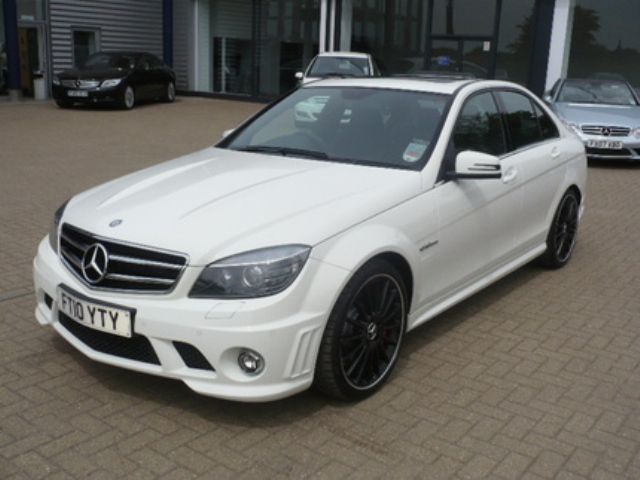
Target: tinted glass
{"points": [[463, 17], [596, 91], [479, 127], [349, 125], [155, 62], [522, 122], [392, 32], [84, 45], [515, 43], [109, 60], [341, 66], [547, 127], [605, 42]]}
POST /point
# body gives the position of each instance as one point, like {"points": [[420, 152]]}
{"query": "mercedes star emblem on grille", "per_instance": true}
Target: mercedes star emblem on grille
{"points": [[94, 263], [606, 131]]}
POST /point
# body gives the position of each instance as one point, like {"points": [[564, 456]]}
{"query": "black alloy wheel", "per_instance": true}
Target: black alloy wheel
{"points": [[563, 232], [364, 333]]}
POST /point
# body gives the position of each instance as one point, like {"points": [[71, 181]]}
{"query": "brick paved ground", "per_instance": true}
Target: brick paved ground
{"points": [[536, 377]]}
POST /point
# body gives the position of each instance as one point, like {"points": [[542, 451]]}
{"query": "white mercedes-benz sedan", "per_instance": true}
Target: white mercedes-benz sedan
{"points": [[294, 254]]}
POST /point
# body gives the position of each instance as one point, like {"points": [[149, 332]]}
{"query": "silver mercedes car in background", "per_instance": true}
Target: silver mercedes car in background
{"points": [[605, 114]]}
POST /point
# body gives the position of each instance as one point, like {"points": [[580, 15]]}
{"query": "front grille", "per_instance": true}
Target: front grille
{"points": [[624, 153], [80, 83], [137, 347], [607, 131], [128, 267], [192, 357]]}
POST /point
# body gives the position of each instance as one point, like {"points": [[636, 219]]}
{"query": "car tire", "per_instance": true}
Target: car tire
{"points": [[364, 333], [170, 93], [63, 104], [563, 232], [128, 100]]}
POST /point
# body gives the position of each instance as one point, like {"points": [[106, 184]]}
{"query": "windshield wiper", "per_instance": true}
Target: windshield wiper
{"points": [[284, 151]]}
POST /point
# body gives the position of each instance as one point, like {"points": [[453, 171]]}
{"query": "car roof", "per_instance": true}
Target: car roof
{"points": [[443, 85], [344, 54]]}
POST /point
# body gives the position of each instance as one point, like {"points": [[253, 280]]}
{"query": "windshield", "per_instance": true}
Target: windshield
{"points": [[606, 92], [109, 60], [340, 66], [387, 128]]}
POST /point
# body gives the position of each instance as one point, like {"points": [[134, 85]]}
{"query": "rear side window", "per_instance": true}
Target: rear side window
{"points": [[547, 127], [522, 121], [479, 127]]}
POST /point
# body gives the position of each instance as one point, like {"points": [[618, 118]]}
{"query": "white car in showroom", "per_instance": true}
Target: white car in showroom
{"points": [[295, 254]]}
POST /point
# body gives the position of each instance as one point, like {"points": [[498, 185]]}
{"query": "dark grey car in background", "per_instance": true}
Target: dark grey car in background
{"points": [[605, 114], [118, 78]]}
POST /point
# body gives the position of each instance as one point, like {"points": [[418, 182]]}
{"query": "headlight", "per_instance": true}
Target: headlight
{"points": [[258, 273], [636, 132], [55, 226], [56, 80], [112, 82], [573, 127]]}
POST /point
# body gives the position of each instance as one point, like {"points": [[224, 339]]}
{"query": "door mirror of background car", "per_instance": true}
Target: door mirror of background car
{"points": [[299, 75], [547, 98], [476, 165], [226, 133]]}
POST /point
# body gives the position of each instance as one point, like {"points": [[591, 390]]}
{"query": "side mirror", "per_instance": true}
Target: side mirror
{"points": [[299, 75], [226, 133], [547, 98], [476, 165]]}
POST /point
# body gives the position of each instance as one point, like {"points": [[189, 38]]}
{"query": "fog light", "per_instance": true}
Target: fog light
{"points": [[251, 362]]}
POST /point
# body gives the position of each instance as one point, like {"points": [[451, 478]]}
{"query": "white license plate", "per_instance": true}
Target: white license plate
{"points": [[608, 144], [96, 315], [77, 93]]}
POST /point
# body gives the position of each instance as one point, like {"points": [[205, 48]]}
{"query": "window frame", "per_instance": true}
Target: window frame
{"points": [[80, 29]]}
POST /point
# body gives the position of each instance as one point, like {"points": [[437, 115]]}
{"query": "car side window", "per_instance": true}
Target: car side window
{"points": [[479, 126], [521, 119], [547, 127]]}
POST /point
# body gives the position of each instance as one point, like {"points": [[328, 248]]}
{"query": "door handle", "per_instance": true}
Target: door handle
{"points": [[510, 175], [555, 153]]}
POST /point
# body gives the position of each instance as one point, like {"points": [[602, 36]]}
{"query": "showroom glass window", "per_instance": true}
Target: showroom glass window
{"points": [[288, 39], [605, 42], [463, 17], [392, 31], [85, 44], [479, 126], [515, 40], [4, 72], [30, 10]]}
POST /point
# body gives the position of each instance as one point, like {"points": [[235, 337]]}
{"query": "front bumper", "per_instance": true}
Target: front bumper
{"points": [[285, 329], [630, 148], [96, 95]]}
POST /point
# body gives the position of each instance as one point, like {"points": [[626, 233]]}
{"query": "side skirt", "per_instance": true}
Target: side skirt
{"points": [[432, 311]]}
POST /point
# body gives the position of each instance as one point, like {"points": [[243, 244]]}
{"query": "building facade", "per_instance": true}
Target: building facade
{"points": [[252, 48]]}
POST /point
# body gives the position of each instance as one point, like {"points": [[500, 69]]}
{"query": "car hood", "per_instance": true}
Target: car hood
{"points": [[79, 73], [217, 202], [623, 115]]}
